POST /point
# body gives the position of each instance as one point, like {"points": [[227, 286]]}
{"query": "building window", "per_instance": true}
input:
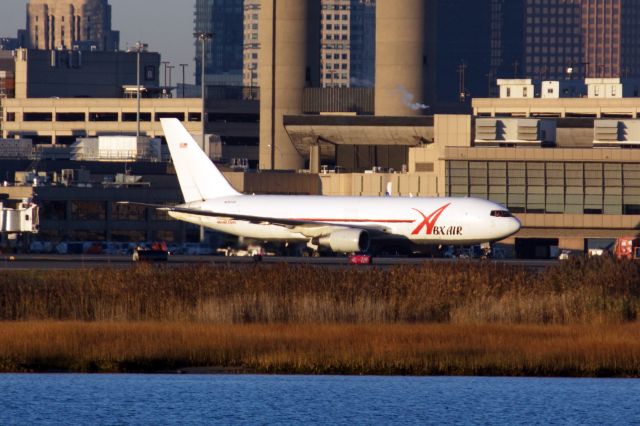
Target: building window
{"points": [[88, 210], [70, 116], [150, 73], [103, 116], [132, 116], [178, 115], [128, 212], [38, 116]]}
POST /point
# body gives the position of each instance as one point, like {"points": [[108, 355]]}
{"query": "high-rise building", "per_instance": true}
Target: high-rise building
{"points": [[346, 34], [223, 56], [363, 42], [251, 43], [507, 32], [611, 35], [335, 35], [552, 39], [8, 43], [582, 38], [467, 51], [68, 24], [347, 37]]}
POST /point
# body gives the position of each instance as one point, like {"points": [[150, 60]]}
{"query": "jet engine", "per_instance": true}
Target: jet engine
{"points": [[346, 241]]}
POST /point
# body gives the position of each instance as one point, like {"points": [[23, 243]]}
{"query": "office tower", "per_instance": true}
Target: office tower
{"points": [[347, 35], [466, 51], [506, 26], [8, 43], [251, 43], [335, 34], [223, 56], [68, 24], [582, 38], [363, 42], [611, 37], [553, 47]]}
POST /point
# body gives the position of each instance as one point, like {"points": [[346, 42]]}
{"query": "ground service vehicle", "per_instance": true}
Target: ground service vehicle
{"points": [[156, 253], [627, 248], [360, 259]]}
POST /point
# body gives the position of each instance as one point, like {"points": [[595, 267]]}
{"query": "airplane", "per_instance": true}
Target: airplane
{"points": [[339, 224]]}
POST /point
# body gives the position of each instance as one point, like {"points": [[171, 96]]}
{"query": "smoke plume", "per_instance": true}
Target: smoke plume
{"points": [[408, 99]]}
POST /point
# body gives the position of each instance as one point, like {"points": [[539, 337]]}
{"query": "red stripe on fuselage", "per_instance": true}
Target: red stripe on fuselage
{"points": [[357, 220]]}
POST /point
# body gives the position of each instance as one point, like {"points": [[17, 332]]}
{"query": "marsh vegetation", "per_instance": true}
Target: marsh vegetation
{"points": [[576, 318]]}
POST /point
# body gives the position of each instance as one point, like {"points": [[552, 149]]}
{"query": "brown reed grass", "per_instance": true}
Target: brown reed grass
{"points": [[581, 291], [398, 349]]}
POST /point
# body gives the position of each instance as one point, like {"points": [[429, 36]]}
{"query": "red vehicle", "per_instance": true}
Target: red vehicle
{"points": [[627, 248], [360, 259], [158, 252]]}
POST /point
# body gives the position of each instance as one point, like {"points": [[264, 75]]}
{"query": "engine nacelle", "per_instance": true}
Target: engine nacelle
{"points": [[346, 241]]}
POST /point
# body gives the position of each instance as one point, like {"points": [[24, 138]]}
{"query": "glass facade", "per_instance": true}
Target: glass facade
{"points": [[549, 187], [363, 43], [471, 43], [223, 56], [592, 38]]}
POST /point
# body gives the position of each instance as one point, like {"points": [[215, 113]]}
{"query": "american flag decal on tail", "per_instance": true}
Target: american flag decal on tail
{"points": [[183, 145]]}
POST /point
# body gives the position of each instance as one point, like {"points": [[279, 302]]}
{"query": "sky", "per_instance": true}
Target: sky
{"points": [[166, 25]]}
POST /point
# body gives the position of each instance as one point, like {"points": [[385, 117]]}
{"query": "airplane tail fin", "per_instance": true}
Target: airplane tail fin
{"points": [[199, 178]]}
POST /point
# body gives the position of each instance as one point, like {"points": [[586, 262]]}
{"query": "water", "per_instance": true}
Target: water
{"points": [[246, 399]]}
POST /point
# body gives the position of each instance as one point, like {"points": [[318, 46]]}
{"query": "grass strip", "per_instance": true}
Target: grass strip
{"points": [[591, 291], [398, 349]]}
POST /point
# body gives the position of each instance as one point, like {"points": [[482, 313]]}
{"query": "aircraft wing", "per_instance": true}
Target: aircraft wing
{"points": [[305, 227]]}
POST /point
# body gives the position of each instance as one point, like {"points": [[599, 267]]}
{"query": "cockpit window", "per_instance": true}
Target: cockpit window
{"points": [[500, 213]]}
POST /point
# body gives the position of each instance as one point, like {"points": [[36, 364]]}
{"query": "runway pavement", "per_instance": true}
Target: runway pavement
{"points": [[71, 262]]}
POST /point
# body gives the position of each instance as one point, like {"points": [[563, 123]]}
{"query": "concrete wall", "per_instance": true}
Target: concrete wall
{"points": [[55, 129], [225, 128], [516, 89], [375, 184], [335, 184], [563, 107], [268, 182], [399, 57], [282, 72], [449, 131], [577, 226], [574, 137]]}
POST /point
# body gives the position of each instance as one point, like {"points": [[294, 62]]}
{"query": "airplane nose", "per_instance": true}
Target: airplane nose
{"points": [[513, 226]]}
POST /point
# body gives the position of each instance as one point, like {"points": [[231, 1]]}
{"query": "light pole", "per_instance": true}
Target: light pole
{"points": [[462, 91], [203, 37], [140, 47], [170, 68], [165, 64], [183, 67]]}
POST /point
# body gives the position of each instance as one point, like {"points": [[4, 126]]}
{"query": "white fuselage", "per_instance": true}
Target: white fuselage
{"points": [[455, 221]]}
